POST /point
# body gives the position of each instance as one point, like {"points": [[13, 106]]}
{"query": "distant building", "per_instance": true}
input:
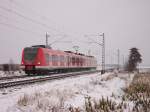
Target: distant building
{"points": [[1, 67], [9, 67]]}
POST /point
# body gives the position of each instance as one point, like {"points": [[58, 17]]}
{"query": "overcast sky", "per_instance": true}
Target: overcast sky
{"points": [[126, 24]]}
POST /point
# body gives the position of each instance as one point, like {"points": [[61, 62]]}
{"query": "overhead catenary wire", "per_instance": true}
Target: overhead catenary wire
{"points": [[27, 18], [33, 11], [19, 28], [58, 41], [18, 4], [21, 14], [27, 30]]}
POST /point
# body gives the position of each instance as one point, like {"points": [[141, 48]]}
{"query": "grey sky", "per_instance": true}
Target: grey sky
{"points": [[126, 24]]}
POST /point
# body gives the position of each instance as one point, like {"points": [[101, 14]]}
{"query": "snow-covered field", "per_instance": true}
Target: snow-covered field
{"points": [[59, 95]]}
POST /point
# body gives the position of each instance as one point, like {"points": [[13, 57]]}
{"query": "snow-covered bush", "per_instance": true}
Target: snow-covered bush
{"points": [[139, 93], [102, 105]]}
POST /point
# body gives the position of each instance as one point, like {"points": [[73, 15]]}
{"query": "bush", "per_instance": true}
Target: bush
{"points": [[139, 93]]}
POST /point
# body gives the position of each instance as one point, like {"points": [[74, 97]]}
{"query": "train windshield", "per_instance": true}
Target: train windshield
{"points": [[30, 53]]}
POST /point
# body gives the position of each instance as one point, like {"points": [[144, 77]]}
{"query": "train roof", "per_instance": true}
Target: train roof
{"points": [[70, 52], [78, 54], [41, 46]]}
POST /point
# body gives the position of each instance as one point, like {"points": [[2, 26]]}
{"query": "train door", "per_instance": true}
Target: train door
{"points": [[47, 59], [68, 61]]}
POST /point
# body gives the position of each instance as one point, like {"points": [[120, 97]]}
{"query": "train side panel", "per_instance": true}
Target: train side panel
{"points": [[39, 60]]}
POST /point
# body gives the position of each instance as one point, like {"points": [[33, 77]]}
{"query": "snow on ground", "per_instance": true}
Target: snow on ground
{"points": [[20, 79], [11, 73], [64, 93]]}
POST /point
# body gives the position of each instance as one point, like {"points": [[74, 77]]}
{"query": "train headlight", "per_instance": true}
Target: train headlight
{"points": [[39, 63], [22, 63]]}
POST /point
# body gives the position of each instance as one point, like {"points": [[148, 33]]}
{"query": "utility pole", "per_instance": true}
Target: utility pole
{"points": [[76, 48], [118, 59], [89, 52], [103, 54], [102, 44], [47, 39]]}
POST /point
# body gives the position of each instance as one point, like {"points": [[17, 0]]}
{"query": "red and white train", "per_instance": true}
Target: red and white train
{"points": [[40, 59]]}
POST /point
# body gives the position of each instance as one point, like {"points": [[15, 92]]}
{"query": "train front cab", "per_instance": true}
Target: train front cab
{"points": [[31, 58]]}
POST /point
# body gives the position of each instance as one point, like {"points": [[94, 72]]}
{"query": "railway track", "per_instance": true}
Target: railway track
{"points": [[13, 77], [45, 78], [18, 77]]}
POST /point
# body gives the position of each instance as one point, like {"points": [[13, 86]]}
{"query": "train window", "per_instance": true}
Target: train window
{"points": [[70, 59], [30, 53], [54, 58], [47, 58], [50, 58], [77, 61], [58, 58], [73, 61], [62, 59], [67, 60]]}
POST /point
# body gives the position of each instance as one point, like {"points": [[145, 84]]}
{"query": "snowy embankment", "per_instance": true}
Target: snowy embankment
{"points": [[59, 95]]}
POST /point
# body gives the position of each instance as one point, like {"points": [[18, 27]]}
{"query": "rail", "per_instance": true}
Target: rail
{"points": [[51, 77]]}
